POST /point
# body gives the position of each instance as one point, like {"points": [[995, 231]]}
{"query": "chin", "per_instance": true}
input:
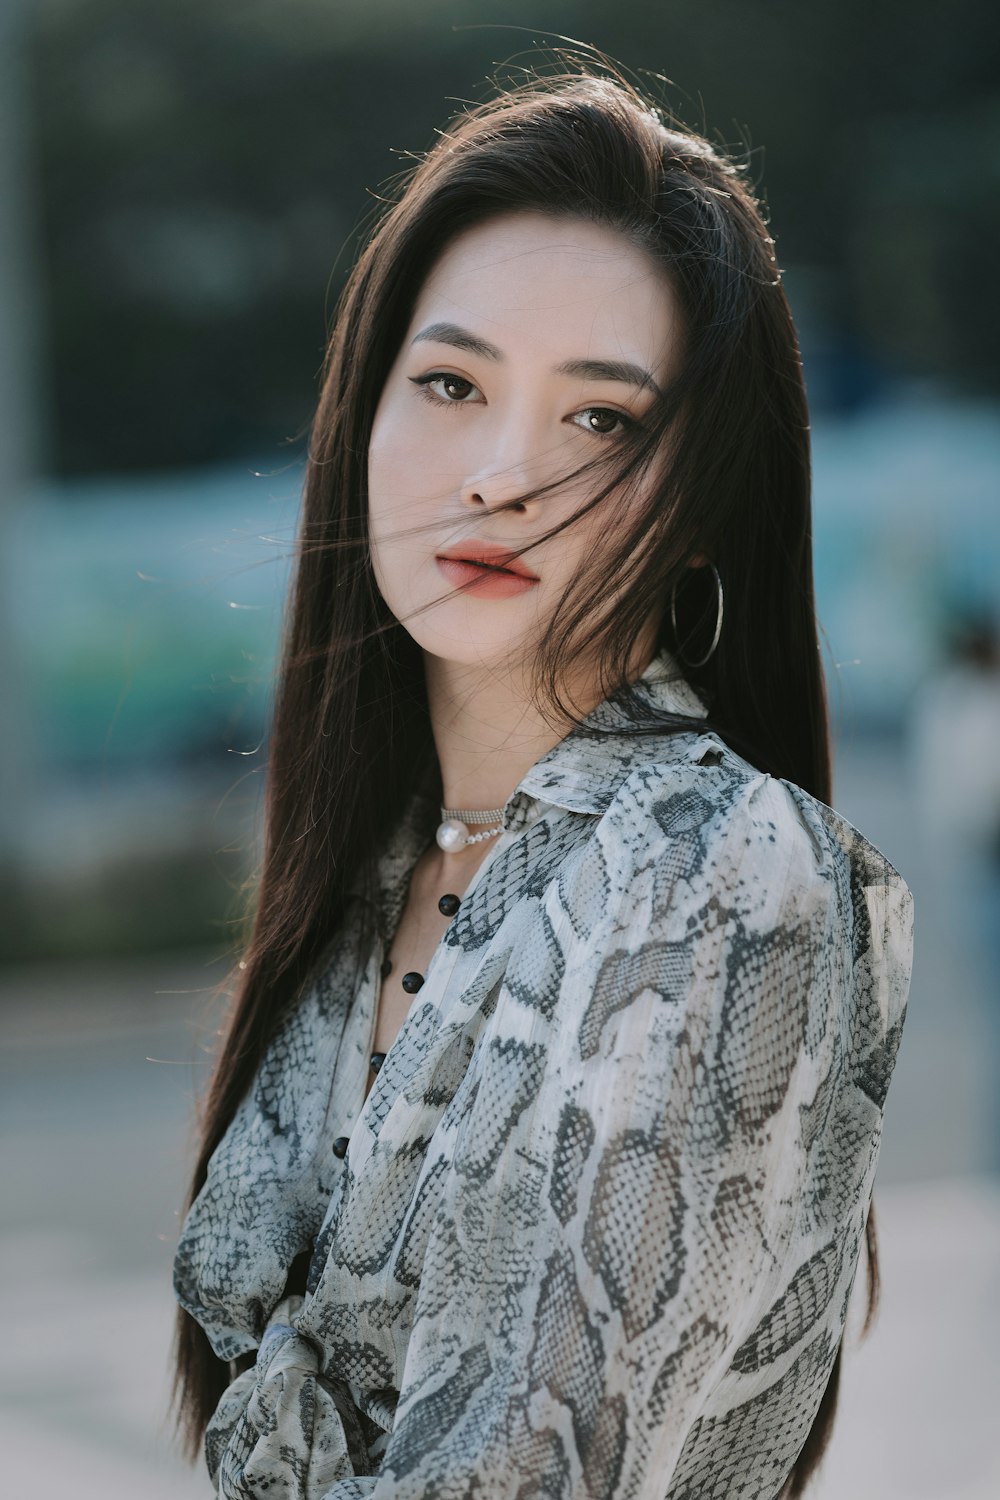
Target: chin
{"points": [[464, 647], [459, 630]]}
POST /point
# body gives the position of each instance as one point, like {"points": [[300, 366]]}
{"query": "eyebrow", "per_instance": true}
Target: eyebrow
{"points": [[622, 370]]}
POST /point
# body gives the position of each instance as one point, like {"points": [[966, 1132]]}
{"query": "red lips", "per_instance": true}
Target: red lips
{"points": [[488, 552]]}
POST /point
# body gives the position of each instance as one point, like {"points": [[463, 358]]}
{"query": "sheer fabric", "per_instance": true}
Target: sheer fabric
{"points": [[600, 1215]]}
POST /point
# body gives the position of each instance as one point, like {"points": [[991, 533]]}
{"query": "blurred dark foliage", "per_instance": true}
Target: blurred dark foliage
{"points": [[203, 172]]}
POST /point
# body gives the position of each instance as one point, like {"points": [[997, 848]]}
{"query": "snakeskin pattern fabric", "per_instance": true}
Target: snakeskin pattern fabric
{"points": [[601, 1212]]}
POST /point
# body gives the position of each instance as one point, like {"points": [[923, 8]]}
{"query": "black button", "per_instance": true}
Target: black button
{"points": [[412, 981], [376, 1060], [448, 905], [340, 1145], [386, 967]]}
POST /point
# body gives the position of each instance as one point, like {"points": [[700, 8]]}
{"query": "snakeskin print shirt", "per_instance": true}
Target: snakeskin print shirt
{"points": [[600, 1214]]}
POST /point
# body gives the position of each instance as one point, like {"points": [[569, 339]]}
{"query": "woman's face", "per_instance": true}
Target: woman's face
{"points": [[532, 345]]}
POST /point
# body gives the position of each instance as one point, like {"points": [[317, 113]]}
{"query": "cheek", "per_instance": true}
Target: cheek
{"points": [[389, 468], [597, 536], [382, 446], [401, 455]]}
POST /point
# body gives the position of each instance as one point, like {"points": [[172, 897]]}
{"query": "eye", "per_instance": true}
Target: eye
{"points": [[605, 415], [448, 383]]}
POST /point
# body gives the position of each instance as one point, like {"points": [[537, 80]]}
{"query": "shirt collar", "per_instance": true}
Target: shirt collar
{"points": [[583, 771]]}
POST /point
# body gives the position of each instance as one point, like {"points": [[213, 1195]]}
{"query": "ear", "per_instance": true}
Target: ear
{"points": [[699, 560]]}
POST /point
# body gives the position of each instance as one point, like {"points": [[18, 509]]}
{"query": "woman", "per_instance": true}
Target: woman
{"points": [[539, 1153]]}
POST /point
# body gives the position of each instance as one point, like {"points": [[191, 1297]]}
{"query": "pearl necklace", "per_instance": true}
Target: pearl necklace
{"points": [[452, 833]]}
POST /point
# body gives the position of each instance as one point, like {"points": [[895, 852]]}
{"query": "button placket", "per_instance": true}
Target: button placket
{"points": [[522, 811]]}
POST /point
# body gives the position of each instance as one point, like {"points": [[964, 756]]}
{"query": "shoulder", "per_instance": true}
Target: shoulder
{"points": [[700, 840], [708, 796]]}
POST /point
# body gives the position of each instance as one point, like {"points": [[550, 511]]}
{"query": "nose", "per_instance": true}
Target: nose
{"points": [[513, 466], [495, 489]]}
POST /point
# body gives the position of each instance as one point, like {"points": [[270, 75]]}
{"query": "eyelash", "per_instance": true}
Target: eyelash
{"points": [[423, 382]]}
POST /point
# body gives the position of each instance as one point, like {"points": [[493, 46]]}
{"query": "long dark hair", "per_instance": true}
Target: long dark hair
{"points": [[350, 720]]}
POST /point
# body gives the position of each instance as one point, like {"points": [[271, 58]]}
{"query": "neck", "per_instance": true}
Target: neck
{"points": [[488, 733]]}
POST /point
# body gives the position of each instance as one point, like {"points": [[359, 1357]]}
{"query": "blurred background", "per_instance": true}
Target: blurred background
{"points": [[182, 187]]}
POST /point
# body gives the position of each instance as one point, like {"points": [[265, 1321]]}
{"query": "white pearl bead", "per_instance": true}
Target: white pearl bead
{"points": [[451, 835]]}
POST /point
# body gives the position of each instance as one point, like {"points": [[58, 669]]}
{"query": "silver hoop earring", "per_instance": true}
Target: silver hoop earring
{"points": [[718, 622]]}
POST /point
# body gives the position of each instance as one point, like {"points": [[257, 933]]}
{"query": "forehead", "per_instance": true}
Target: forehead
{"points": [[556, 286]]}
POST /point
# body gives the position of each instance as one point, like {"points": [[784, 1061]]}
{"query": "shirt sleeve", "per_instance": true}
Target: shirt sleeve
{"points": [[629, 1164]]}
